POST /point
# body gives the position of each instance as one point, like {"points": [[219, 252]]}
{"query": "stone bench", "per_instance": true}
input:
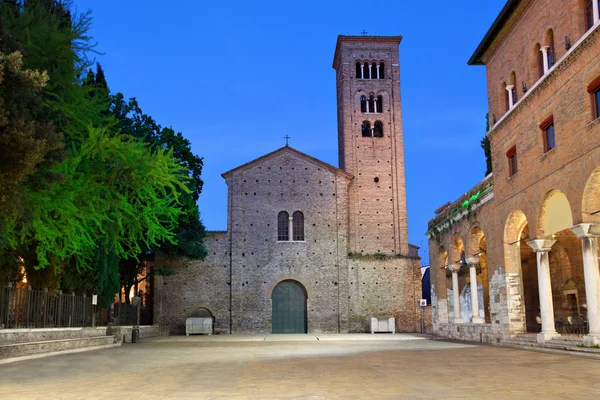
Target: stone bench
{"points": [[383, 324]]}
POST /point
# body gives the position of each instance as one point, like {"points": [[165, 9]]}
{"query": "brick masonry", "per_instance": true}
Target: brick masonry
{"points": [[355, 261], [517, 212]]}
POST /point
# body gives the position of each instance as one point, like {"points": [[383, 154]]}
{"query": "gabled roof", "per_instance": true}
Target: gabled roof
{"points": [[289, 150], [490, 36]]}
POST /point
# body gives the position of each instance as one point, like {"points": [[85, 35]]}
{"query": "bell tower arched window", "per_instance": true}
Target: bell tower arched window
{"points": [[381, 71], [283, 227], [366, 129], [367, 71], [591, 15], [363, 104], [372, 104], [298, 226], [359, 70], [380, 104], [378, 129]]}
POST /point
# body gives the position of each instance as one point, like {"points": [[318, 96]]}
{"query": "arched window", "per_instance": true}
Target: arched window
{"points": [[367, 71], [380, 104], [283, 226], [589, 13], [381, 71], [549, 42], [378, 129], [363, 104], [374, 71], [372, 107], [366, 129], [298, 225], [513, 82], [358, 70], [540, 60]]}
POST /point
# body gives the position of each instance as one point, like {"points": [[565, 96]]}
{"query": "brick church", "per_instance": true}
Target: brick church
{"points": [[311, 247]]}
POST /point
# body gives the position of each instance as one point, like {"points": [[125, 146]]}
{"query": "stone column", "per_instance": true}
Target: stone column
{"points": [[378, 72], [542, 247], [362, 71], [473, 264], [544, 50], [370, 71], [291, 228], [588, 233], [596, 12], [456, 293], [511, 100]]}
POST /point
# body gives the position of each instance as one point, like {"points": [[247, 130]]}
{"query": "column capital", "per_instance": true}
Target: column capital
{"points": [[454, 267], [541, 245], [473, 261], [584, 231], [544, 48], [509, 87]]}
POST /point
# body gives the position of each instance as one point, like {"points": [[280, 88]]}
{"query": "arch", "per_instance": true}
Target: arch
{"points": [[590, 205], [457, 252], [555, 213], [442, 265], [366, 71], [512, 80], [381, 70], [283, 226], [378, 129], [372, 106], [513, 237], [288, 277], [201, 312], [520, 263], [289, 307], [549, 42], [379, 104], [538, 56], [366, 129], [298, 226], [363, 104]]}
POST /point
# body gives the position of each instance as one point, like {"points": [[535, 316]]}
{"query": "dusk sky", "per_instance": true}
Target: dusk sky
{"points": [[236, 77]]}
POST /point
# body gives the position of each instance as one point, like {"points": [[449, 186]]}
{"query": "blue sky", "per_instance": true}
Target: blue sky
{"points": [[236, 76]]}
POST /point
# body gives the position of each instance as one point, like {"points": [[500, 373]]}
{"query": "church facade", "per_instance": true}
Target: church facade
{"points": [[310, 247]]}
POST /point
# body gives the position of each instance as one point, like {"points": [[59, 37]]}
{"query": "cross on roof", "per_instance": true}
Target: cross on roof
{"points": [[364, 33], [287, 138]]}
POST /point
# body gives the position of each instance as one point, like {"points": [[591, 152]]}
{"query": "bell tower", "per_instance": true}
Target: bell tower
{"points": [[371, 145]]}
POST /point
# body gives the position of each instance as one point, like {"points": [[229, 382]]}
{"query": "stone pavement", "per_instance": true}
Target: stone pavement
{"points": [[200, 367]]}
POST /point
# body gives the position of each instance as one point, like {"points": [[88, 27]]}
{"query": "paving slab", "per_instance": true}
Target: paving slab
{"points": [[194, 368]]}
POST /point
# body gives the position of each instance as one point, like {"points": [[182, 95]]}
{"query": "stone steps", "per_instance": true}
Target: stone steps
{"points": [[23, 350], [569, 344]]}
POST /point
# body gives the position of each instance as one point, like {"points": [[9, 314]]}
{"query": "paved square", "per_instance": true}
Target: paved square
{"points": [[268, 367]]}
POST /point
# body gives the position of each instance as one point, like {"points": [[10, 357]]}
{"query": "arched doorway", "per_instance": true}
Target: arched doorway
{"points": [[478, 251], [289, 307]]}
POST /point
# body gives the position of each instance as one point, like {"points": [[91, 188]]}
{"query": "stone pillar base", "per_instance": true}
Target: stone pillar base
{"points": [[458, 321], [591, 340], [544, 337], [477, 320]]}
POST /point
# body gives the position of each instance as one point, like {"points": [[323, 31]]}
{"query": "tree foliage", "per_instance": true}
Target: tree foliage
{"points": [[98, 182]]}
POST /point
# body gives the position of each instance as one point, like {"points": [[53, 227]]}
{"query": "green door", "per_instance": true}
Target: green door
{"points": [[289, 308]]}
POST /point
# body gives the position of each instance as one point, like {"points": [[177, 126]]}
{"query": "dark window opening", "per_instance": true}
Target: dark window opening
{"points": [[366, 129], [512, 161], [551, 55], [549, 135], [378, 129], [372, 105], [366, 72], [363, 104], [589, 14], [358, 71], [380, 104], [540, 58], [298, 226], [283, 226], [382, 71], [596, 100], [374, 72]]}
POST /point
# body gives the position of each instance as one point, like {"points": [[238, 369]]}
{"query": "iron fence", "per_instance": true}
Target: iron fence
{"points": [[27, 308]]}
